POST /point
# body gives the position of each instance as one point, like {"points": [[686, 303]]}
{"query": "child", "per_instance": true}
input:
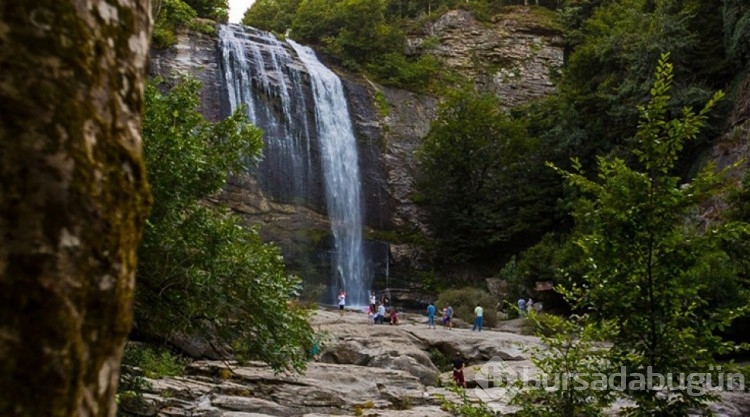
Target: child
{"points": [[370, 315]]}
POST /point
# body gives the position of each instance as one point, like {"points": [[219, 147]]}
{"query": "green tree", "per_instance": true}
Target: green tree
{"points": [[271, 15], [609, 67], [170, 15], [315, 21], [477, 167], [570, 361], [201, 273], [736, 14], [355, 31], [652, 263], [217, 10]]}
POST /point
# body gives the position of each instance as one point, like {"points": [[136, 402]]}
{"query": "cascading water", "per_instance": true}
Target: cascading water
{"points": [[341, 170], [256, 63], [287, 171]]}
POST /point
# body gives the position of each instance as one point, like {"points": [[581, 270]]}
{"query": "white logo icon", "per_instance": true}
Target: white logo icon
{"points": [[496, 384]]}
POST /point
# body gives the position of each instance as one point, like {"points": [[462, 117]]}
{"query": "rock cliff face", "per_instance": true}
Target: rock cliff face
{"points": [[515, 57], [516, 61]]}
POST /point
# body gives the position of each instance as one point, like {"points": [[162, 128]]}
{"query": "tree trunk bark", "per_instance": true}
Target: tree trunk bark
{"points": [[73, 199]]}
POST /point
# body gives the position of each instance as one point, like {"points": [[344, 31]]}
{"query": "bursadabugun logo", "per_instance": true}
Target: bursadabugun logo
{"points": [[497, 383]]}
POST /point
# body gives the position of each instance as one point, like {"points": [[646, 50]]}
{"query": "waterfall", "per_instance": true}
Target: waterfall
{"points": [[256, 63], [300, 143]]}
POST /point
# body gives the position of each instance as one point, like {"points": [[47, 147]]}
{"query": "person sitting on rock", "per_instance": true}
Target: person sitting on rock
{"points": [[393, 317], [458, 370], [380, 317]]}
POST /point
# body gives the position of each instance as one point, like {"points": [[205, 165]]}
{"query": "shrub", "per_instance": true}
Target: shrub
{"points": [[440, 360], [463, 301], [153, 362]]}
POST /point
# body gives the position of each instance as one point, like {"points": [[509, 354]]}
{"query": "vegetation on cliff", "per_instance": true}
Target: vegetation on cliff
{"points": [[656, 278], [611, 48], [202, 274]]}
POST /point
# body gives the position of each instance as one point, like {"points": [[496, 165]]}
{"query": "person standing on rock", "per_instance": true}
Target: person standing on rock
{"points": [[522, 306], [342, 302], [478, 318], [431, 316], [458, 370], [449, 317], [373, 301]]}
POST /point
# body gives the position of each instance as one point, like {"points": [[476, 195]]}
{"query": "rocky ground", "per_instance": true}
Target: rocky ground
{"points": [[363, 370]]}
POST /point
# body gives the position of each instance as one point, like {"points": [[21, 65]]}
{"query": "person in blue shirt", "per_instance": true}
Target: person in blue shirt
{"points": [[449, 317], [522, 306], [431, 316]]}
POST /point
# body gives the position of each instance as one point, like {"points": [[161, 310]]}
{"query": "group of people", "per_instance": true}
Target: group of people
{"points": [[376, 311], [527, 306], [447, 317], [445, 320]]}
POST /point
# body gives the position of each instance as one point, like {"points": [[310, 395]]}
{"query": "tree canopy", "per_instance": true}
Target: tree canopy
{"points": [[202, 273], [477, 169], [655, 274]]}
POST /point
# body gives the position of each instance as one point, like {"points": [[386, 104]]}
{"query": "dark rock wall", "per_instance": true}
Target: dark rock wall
{"points": [[195, 54]]}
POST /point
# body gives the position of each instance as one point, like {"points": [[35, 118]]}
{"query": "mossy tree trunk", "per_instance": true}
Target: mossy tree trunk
{"points": [[73, 199]]}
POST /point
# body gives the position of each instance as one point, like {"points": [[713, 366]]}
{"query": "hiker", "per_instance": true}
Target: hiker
{"points": [[449, 317], [522, 306], [478, 319], [431, 316]]}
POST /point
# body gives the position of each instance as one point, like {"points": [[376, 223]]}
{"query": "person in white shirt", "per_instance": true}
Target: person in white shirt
{"points": [[342, 301], [373, 301], [478, 318], [381, 314]]}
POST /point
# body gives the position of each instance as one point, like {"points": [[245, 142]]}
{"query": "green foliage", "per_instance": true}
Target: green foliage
{"points": [[571, 359], [554, 258], [201, 273], [153, 362], [464, 300], [217, 10], [399, 71], [171, 15], [382, 104], [736, 14], [482, 181], [651, 266], [609, 68], [271, 15], [467, 407], [141, 361], [441, 361], [355, 31]]}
